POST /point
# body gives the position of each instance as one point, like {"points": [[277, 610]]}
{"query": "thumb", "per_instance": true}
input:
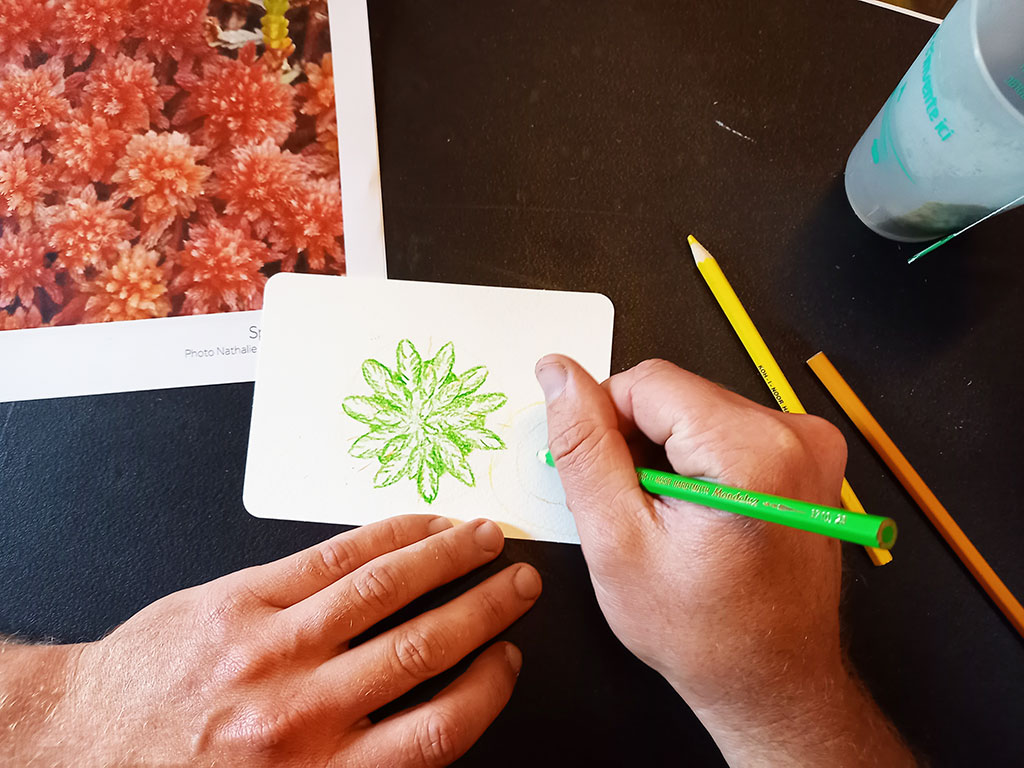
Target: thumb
{"points": [[591, 455]]}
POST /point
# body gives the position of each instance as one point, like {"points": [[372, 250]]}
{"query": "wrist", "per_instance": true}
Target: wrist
{"points": [[829, 718], [774, 711], [35, 685]]}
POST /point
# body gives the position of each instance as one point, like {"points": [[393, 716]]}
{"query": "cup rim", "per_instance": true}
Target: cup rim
{"points": [[990, 81]]}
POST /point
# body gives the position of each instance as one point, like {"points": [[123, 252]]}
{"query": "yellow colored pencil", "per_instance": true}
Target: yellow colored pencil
{"points": [[763, 359]]}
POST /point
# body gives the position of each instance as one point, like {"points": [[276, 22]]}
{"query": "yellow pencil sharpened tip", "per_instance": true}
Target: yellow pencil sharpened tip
{"points": [[700, 253]]}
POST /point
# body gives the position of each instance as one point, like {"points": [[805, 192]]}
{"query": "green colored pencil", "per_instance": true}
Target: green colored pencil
{"points": [[863, 529]]}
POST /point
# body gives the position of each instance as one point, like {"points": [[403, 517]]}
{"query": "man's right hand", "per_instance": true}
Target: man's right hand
{"points": [[740, 616]]}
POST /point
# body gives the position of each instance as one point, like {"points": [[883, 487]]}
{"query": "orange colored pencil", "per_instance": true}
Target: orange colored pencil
{"points": [[916, 487]]}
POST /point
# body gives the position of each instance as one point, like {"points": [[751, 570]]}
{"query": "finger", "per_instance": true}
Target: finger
{"points": [[442, 730], [658, 397], [708, 431], [705, 429], [296, 577], [382, 669], [373, 592], [590, 453]]}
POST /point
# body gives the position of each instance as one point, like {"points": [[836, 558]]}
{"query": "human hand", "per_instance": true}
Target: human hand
{"points": [[739, 615], [255, 668]]}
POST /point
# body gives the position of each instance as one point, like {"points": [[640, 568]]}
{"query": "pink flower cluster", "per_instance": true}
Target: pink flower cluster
{"points": [[151, 167]]}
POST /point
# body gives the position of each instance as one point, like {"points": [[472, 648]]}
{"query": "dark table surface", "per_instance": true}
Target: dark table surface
{"points": [[575, 145]]}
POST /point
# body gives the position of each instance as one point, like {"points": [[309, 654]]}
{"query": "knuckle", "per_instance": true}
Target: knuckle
{"points": [[260, 729], [266, 729], [785, 454], [420, 655], [828, 452], [394, 532], [232, 593], [654, 366], [784, 439], [575, 444], [766, 456], [239, 663], [438, 738], [799, 439], [492, 607], [796, 455], [626, 498], [376, 588], [333, 558], [217, 618], [826, 438], [220, 611], [568, 438], [582, 465]]}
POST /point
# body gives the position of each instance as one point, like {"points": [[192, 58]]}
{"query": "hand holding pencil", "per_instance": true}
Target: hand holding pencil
{"points": [[762, 357], [739, 615]]}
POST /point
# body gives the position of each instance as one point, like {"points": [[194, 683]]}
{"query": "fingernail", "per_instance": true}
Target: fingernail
{"points": [[488, 536], [552, 377], [439, 524], [514, 656], [527, 583]]}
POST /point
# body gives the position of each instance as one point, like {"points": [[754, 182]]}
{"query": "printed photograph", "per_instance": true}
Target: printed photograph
{"points": [[160, 158]]}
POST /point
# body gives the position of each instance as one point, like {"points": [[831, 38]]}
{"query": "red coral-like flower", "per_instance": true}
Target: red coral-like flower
{"points": [[220, 270], [86, 150], [238, 100], [22, 23], [322, 162], [171, 28], [87, 232], [133, 288], [314, 225], [162, 173], [125, 91], [86, 24], [317, 97], [23, 268], [22, 184], [19, 319], [30, 101], [258, 183]]}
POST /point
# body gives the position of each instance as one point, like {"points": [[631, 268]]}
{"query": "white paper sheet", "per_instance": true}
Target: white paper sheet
{"points": [[304, 461]]}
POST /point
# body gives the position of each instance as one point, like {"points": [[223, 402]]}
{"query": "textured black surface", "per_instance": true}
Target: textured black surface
{"points": [[574, 145]]}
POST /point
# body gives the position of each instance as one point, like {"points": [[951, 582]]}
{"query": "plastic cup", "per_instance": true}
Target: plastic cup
{"points": [[947, 148]]}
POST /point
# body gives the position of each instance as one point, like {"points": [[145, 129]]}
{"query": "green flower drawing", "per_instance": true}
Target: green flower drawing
{"points": [[424, 419]]}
